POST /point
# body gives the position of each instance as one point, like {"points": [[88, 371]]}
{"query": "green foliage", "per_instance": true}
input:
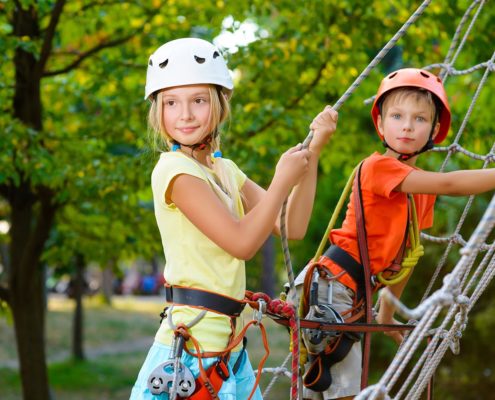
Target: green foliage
{"points": [[92, 150]]}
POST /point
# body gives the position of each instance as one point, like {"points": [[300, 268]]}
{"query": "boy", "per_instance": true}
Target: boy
{"points": [[410, 113]]}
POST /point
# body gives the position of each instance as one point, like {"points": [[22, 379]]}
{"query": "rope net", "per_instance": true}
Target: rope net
{"points": [[442, 315]]}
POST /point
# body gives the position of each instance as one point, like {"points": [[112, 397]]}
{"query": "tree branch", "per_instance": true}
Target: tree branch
{"points": [[294, 102], [87, 54], [46, 48]]}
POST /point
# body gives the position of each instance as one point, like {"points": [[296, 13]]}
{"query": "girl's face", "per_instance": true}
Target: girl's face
{"points": [[186, 113], [406, 125]]}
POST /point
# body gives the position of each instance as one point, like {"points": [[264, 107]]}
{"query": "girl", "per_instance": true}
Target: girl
{"points": [[212, 217]]}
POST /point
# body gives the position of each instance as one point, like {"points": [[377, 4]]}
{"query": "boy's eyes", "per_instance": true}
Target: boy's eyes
{"points": [[398, 116]]}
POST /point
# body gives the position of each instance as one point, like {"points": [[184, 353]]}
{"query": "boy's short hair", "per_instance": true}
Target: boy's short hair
{"points": [[418, 94]]}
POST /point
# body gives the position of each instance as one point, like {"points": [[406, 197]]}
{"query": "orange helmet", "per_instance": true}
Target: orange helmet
{"points": [[414, 77]]}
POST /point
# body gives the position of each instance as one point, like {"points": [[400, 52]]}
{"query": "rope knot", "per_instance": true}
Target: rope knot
{"points": [[260, 296], [281, 308]]}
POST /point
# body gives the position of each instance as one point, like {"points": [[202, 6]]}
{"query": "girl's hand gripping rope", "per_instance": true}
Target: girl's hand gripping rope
{"points": [[292, 166]]}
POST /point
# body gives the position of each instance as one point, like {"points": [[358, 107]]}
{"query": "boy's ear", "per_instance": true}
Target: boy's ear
{"points": [[379, 124], [436, 130]]}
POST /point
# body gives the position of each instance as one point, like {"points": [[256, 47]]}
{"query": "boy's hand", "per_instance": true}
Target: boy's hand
{"points": [[323, 126]]}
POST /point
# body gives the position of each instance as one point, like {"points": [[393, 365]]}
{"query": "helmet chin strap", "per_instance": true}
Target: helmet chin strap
{"points": [[197, 146], [406, 156]]}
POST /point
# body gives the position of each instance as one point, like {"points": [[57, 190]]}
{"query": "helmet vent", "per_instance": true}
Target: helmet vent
{"points": [[216, 54], [150, 62], [163, 64], [424, 74], [199, 60], [392, 75]]}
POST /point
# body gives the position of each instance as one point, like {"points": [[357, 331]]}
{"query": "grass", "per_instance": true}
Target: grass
{"points": [[112, 376]]}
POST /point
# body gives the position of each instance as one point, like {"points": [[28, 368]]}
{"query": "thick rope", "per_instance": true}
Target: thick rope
{"points": [[447, 295], [471, 198], [413, 253]]}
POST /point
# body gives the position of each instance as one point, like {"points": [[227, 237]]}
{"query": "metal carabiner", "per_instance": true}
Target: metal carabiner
{"points": [[258, 314]]}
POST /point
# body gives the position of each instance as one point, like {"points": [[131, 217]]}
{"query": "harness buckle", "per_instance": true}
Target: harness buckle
{"points": [[222, 370]]}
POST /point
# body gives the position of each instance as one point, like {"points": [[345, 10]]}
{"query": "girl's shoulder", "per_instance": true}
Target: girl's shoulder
{"points": [[174, 159], [175, 163]]}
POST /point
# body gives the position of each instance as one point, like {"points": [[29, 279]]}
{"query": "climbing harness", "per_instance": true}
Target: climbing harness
{"points": [[326, 349], [173, 376]]}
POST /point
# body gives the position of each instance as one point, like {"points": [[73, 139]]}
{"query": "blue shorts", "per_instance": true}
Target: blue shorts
{"points": [[237, 386]]}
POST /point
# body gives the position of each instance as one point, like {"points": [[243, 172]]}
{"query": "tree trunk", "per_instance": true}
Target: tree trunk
{"points": [[78, 288], [268, 264], [32, 217], [29, 232]]}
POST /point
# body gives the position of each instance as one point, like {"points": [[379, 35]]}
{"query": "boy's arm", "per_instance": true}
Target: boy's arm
{"points": [[455, 183], [387, 310]]}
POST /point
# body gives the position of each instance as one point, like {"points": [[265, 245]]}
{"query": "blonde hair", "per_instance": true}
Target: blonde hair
{"points": [[418, 94], [219, 113]]}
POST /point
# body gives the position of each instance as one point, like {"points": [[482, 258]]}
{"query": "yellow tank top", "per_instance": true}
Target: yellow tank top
{"points": [[191, 258]]}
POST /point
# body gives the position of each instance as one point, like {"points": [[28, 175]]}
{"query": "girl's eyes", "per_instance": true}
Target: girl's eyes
{"points": [[421, 119], [395, 116], [199, 100]]}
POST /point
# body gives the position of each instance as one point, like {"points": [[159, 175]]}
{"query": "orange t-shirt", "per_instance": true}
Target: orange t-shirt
{"points": [[385, 212]]}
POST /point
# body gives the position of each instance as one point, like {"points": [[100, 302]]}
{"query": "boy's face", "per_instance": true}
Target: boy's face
{"points": [[406, 123]]}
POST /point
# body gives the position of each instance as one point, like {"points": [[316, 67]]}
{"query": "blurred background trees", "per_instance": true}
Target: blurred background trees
{"points": [[75, 161]]}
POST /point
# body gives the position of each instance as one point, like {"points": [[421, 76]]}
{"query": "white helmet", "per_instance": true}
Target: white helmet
{"points": [[187, 61]]}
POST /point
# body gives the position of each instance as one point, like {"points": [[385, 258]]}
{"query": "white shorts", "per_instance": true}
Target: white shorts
{"points": [[346, 375]]}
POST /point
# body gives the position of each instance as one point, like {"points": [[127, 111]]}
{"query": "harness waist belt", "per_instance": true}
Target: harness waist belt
{"points": [[351, 266], [203, 299]]}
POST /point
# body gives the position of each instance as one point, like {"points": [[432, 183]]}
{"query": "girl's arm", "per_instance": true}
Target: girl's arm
{"points": [[240, 238], [299, 205], [300, 202], [455, 183]]}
